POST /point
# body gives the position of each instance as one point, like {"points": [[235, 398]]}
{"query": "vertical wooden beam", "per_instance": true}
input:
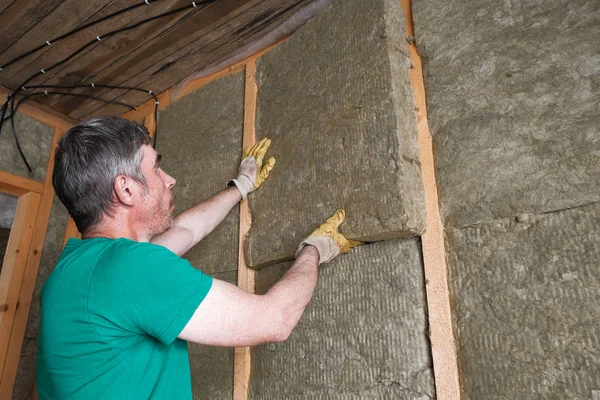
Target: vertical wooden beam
{"points": [[150, 124], [14, 265], [445, 365], [8, 371], [241, 370]]}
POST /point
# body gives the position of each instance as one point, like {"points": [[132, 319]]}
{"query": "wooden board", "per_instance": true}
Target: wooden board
{"points": [[17, 186], [155, 56], [14, 266], [33, 255], [217, 45], [42, 113], [20, 17], [441, 335], [241, 357]]}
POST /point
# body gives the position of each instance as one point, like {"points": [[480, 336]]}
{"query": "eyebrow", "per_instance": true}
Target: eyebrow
{"points": [[158, 157]]}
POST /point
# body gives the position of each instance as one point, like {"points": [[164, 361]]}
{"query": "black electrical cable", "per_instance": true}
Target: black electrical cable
{"points": [[11, 98], [100, 86], [69, 94]]}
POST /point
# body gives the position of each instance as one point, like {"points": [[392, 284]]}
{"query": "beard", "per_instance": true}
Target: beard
{"points": [[160, 216]]}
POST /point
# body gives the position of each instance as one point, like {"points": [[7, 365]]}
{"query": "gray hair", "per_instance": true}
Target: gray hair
{"points": [[88, 159]]}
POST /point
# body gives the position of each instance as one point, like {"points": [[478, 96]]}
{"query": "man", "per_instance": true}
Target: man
{"points": [[120, 306]]}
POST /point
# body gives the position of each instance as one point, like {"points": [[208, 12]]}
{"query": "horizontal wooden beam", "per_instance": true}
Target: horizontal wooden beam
{"points": [[17, 185], [42, 113]]}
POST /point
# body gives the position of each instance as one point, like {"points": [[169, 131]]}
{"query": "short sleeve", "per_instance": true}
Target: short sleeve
{"points": [[146, 288]]}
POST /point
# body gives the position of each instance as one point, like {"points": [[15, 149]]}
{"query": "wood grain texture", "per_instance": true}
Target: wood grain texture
{"points": [[20, 17], [20, 71], [14, 267], [227, 35], [33, 256], [155, 56], [443, 347], [246, 276], [17, 185], [42, 113], [71, 13]]}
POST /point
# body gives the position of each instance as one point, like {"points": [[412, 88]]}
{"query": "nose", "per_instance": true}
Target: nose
{"points": [[170, 181]]}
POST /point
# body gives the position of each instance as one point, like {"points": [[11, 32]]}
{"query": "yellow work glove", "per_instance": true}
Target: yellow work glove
{"points": [[252, 173], [328, 241]]}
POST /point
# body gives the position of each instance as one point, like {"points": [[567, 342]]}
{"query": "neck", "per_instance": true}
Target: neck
{"points": [[116, 227]]}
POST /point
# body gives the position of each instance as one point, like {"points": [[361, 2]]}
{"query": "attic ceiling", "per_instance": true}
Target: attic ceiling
{"points": [[155, 55]]}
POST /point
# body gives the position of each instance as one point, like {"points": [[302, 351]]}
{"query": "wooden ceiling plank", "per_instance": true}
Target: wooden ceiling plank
{"points": [[20, 17], [66, 47], [157, 46], [83, 68], [215, 45], [70, 13], [4, 5], [42, 113]]}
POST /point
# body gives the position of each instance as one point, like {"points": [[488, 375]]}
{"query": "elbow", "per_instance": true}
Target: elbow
{"points": [[282, 334], [284, 325]]}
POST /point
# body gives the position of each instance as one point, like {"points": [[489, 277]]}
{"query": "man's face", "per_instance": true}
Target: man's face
{"points": [[158, 203]]}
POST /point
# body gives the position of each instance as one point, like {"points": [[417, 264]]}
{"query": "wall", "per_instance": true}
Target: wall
{"points": [[53, 245], [200, 139], [336, 101], [35, 139], [513, 94]]}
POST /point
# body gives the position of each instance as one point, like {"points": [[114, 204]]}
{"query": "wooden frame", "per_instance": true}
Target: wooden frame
{"points": [[443, 348], [23, 256]]}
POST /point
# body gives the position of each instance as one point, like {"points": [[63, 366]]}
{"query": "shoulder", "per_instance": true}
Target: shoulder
{"points": [[129, 250], [125, 257]]}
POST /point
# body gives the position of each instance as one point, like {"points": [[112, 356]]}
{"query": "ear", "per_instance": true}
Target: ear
{"points": [[125, 190]]}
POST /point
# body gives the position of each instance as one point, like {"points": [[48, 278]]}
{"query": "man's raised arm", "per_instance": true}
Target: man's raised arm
{"points": [[228, 316], [196, 223]]}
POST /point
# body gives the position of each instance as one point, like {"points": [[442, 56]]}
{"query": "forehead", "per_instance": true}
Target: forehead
{"points": [[148, 155]]}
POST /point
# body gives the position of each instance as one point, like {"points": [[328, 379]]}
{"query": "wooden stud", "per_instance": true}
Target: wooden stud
{"points": [[150, 124], [14, 265], [241, 367], [17, 186], [43, 113], [443, 349], [8, 370]]}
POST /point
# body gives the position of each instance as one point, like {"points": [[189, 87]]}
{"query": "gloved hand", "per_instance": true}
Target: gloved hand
{"points": [[328, 241], [252, 173]]}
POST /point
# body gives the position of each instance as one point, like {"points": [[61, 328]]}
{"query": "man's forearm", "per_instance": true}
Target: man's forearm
{"points": [[293, 292], [196, 223]]}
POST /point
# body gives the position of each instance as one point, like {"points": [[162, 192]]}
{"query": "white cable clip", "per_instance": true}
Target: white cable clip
{"points": [[42, 71], [1, 68], [23, 87], [93, 85], [46, 92], [156, 102], [147, 2], [98, 37], [48, 43], [150, 92], [194, 4]]}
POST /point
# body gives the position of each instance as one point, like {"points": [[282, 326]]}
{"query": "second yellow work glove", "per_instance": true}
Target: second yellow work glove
{"points": [[252, 173], [328, 241]]}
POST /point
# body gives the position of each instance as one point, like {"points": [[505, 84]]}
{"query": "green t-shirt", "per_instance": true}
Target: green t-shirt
{"points": [[110, 315]]}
